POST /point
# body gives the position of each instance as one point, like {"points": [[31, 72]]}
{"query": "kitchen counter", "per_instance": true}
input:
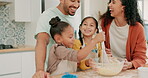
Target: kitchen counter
{"points": [[18, 49], [92, 74]]}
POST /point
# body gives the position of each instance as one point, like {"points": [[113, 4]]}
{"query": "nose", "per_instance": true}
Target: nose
{"points": [[73, 38], [109, 4], [77, 4]]}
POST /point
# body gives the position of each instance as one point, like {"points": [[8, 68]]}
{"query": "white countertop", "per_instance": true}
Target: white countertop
{"points": [[133, 73]]}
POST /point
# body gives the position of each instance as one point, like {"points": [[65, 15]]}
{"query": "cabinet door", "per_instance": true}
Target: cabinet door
{"points": [[10, 63], [28, 64], [20, 11], [18, 75], [146, 11]]}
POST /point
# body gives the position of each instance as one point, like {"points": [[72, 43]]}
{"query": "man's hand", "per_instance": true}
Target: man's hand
{"points": [[41, 74]]}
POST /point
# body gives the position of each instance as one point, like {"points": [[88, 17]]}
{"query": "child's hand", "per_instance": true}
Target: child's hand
{"points": [[91, 63], [127, 65], [100, 37]]}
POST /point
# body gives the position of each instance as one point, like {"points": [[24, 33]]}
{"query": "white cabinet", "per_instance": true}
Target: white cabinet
{"points": [[28, 64], [5, 0], [17, 64], [20, 10], [18, 75], [146, 11], [10, 63]]}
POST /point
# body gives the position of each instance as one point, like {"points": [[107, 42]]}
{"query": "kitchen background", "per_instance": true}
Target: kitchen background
{"points": [[20, 33], [18, 19], [11, 32]]}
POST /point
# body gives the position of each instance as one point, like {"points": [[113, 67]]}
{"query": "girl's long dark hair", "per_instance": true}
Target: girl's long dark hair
{"points": [[80, 34], [131, 13]]}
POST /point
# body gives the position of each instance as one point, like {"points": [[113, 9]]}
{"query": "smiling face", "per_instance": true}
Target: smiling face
{"points": [[67, 37], [116, 8], [88, 27], [70, 6]]}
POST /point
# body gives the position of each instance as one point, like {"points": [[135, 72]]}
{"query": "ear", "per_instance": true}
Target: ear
{"points": [[96, 30], [58, 38], [123, 7], [80, 27]]}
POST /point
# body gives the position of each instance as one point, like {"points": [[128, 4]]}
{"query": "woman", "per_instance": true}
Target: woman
{"points": [[124, 30]]}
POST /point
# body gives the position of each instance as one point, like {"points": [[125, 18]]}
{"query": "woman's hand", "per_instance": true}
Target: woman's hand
{"points": [[108, 51], [41, 74], [93, 64], [127, 65]]}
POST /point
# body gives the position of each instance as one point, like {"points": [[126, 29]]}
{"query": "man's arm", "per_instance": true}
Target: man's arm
{"points": [[40, 54]]}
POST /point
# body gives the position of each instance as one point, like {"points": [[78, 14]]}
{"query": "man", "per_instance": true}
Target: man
{"points": [[65, 11]]}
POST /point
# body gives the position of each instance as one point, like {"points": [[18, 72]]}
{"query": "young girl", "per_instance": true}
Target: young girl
{"points": [[62, 58], [88, 28]]}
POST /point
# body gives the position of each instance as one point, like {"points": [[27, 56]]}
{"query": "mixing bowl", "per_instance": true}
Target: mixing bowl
{"points": [[109, 69]]}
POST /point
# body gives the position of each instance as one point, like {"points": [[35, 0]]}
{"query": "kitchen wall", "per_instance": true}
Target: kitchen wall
{"points": [[30, 27], [93, 7], [11, 32]]}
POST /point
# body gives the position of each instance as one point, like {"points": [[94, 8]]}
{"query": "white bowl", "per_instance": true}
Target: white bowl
{"points": [[109, 69], [143, 72]]}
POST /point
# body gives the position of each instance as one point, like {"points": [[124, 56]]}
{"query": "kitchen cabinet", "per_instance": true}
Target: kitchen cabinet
{"points": [[20, 10], [10, 63], [146, 11], [18, 75], [4, 2], [17, 64], [28, 64]]}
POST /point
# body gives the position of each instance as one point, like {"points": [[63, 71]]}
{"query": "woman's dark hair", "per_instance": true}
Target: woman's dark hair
{"points": [[131, 13], [80, 34], [57, 26]]}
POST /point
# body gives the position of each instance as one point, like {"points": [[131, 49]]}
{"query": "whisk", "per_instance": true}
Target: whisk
{"points": [[103, 56]]}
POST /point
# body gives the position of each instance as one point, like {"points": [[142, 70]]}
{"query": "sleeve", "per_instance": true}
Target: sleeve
{"points": [[139, 53], [76, 45], [66, 54], [43, 24]]}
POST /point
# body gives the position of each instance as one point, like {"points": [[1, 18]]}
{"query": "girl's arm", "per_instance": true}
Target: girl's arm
{"points": [[87, 49]]}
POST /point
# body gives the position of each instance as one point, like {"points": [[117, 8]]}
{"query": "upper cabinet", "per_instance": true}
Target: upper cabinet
{"points": [[20, 10], [4, 2], [146, 11]]}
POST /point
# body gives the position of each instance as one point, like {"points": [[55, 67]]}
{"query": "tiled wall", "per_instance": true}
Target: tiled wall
{"points": [[11, 32]]}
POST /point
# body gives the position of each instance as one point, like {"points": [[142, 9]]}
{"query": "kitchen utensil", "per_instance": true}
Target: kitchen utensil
{"points": [[113, 67], [67, 75], [142, 72]]}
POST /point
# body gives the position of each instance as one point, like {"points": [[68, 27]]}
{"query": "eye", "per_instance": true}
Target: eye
{"points": [[92, 25], [71, 37], [113, 1], [72, 0], [84, 24], [78, 1]]}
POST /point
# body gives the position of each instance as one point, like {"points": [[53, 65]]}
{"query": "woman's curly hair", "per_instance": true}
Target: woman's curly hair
{"points": [[131, 13]]}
